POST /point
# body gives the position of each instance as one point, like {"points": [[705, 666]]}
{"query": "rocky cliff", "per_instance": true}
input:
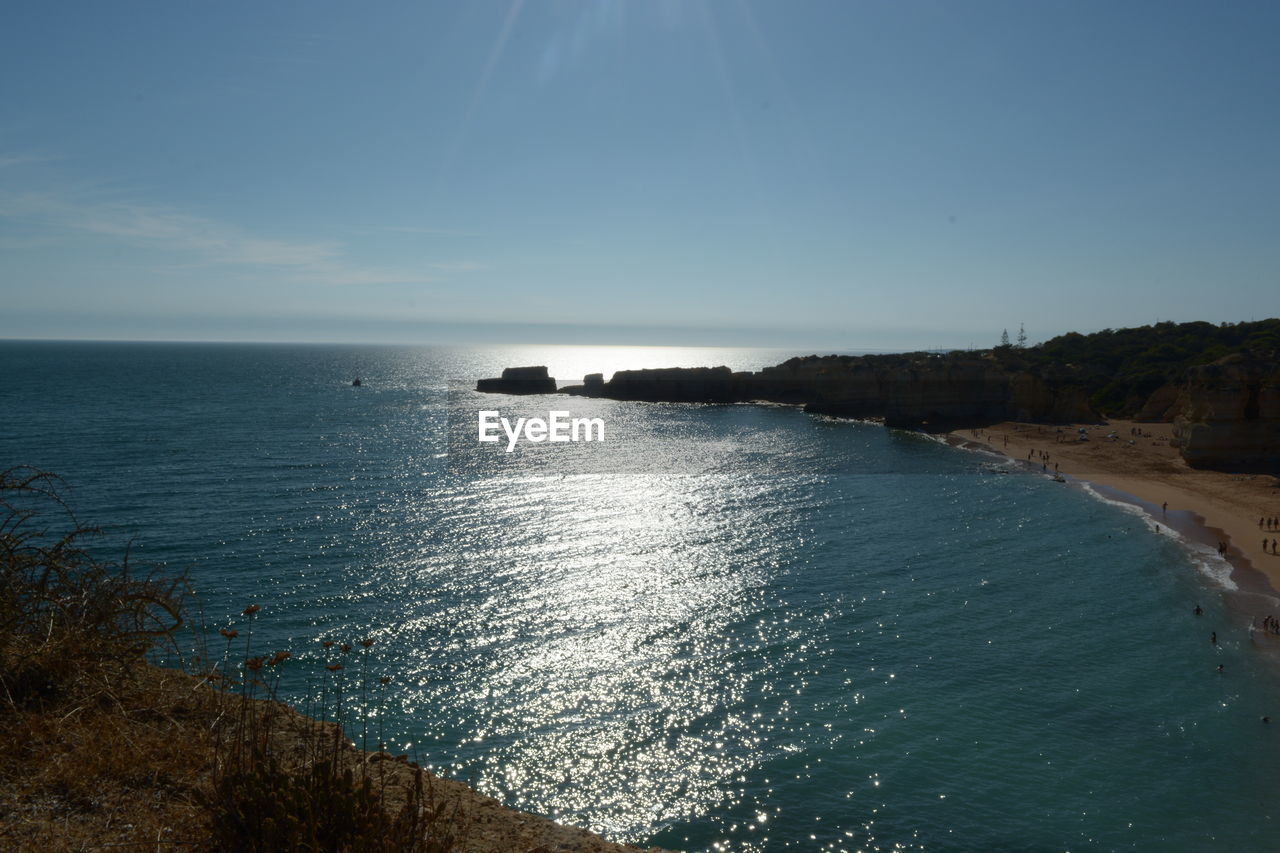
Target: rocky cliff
{"points": [[1228, 413], [666, 385], [919, 390]]}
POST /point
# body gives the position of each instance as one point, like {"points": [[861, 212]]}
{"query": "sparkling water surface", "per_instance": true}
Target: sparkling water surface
{"points": [[725, 628]]}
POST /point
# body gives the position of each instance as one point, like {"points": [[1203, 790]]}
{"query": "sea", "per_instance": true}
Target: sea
{"points": [[723, 628]]}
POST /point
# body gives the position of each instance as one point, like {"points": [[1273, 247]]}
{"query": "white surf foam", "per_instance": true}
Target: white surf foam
{"points": [[1207, 561]]}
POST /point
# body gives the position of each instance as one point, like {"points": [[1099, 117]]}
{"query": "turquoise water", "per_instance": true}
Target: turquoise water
{"points": [[727, 627]]}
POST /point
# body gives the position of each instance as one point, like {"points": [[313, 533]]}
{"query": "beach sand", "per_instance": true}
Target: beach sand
{"points": [[1223, 506]]}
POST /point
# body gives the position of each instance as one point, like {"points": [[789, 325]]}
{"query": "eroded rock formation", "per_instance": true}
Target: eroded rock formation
{"points": [[1228, 413], [520, 380]]}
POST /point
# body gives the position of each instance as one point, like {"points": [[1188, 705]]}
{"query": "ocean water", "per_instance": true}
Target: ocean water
{"points": [[724, 628]]}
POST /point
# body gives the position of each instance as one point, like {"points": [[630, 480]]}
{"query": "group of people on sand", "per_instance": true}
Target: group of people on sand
{"points": [[977, 432], [1271, 625], [1034, 454], [1269, 523]]}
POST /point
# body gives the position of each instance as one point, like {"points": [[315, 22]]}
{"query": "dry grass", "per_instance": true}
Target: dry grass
{"points": [[101, 750]]}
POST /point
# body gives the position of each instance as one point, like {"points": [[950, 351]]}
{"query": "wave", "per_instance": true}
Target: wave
{"points": [[1207, 561]]}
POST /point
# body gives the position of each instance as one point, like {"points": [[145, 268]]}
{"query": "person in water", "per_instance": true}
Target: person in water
{"points": [[1213, 637], [1197, 611]]}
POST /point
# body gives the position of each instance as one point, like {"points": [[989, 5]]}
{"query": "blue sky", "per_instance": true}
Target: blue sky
{"points": [[840, 174]]}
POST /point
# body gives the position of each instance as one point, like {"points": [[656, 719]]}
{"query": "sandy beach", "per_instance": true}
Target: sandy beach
{"points": [[1140, 462]]}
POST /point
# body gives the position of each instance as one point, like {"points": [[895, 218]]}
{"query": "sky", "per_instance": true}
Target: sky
{"points": [[852, 174]]}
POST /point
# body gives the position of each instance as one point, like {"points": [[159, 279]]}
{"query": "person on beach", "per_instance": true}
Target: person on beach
{"points": [[1164, 507]]}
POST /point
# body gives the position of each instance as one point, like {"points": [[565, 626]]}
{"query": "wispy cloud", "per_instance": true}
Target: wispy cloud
{"points": [[205, 241], [415, 229], [8, 160], [460, 266]]}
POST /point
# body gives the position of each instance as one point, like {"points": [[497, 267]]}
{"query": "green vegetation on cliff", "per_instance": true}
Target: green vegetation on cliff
{"points": [[1115, 370], [1122, 368], [1118, 369]]}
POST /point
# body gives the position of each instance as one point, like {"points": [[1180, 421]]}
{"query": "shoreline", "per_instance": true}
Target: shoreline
{"points": [[1140, 468]]}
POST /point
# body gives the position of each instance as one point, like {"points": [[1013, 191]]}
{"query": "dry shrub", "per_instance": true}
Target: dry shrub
{"points": [[285, 781], [100, 748], [62, 611]]}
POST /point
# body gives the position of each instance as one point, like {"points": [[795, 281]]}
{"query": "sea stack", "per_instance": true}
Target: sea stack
{"points": [[519, 380]]}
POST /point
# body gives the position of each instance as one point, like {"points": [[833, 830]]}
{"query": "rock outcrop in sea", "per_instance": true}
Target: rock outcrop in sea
{"points": [[520, 380]]}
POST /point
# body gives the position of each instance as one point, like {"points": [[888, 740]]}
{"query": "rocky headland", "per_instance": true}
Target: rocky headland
{"points": [[1220, 386]]}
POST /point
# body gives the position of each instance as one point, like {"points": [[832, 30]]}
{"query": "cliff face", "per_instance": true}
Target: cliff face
{"points": [[1162, 405], [1035, 398], [668, 385], [926, 393], [1229, 414]]}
